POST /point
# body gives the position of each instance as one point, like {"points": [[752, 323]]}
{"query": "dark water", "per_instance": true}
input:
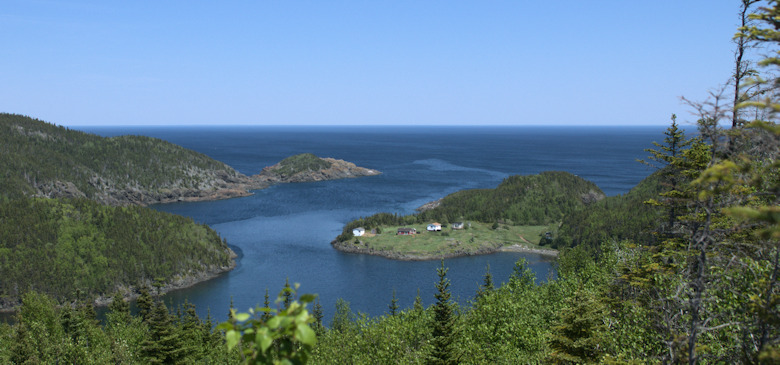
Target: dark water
{"points": [[284, 231]]}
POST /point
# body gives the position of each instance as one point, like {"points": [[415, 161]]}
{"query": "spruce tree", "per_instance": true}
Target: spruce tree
{"points": [[418, 306], [119, 308], [287, 294], [163, 344], [578, 336], [393, 304], [444, 322], [145, 304], [266, 304], [318, 315], [487, 285]]}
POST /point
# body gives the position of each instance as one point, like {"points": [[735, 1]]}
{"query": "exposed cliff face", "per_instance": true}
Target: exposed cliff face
{"points": [[212, 184], [44, 160], [215, 185], [336, 169]]}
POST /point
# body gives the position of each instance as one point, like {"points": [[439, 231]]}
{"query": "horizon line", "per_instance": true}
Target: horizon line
{"points": [[366, 125]]}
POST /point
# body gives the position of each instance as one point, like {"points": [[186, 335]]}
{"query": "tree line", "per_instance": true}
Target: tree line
{"points": [[539, 199]]}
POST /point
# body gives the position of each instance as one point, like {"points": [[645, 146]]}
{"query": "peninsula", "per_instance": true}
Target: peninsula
{"points": [[72, 215], [40, 159], [521, 214]]}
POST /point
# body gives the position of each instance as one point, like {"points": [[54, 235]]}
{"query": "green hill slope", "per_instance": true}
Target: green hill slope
{"points": [[56, 246], [622, 217], [41, 159], [524, 200], [530, 200]]}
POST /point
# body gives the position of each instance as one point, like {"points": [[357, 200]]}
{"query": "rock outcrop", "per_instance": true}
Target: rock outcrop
{"points": [[336, 169]]}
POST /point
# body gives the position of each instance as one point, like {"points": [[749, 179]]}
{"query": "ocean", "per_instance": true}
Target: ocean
{"points": [[284, 232]]}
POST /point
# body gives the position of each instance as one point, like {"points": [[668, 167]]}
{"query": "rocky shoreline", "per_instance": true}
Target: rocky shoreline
{"points": [[393, 255], [338, 169], [131, 293], [216, 186]]}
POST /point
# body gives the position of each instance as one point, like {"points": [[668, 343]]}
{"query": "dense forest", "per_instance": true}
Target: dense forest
{"points": [[61, 246], [41, 159], [539, 199], [622, 217], [703, 290]]}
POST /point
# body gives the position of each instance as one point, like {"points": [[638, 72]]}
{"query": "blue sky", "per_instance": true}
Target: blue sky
{"points": [[599, 62]]}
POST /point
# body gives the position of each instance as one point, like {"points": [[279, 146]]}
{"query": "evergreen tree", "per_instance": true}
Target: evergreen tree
{"points": [[487, 285], [418, 305], [145, 304], [393, 304], [287, 294], [444, 322], [578, 337], [119, 308], [266, 304], [163, 344], [343, 319], [318, 315]]}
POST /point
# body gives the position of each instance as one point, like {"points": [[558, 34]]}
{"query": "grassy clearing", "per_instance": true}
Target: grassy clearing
{"points": [[478, 237]]}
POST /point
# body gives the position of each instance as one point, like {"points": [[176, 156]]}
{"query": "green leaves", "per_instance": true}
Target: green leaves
{"points": [[284, 338]]}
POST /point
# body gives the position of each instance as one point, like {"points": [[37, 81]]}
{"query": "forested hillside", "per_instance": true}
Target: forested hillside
{"points": [[622, 217], [59, 246], [529, 200], [520, 200], [706, 290], [41, 159]]}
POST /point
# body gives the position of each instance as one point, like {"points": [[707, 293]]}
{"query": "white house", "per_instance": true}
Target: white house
{"points": [[359, 231], [434, 226], [457, 225]]}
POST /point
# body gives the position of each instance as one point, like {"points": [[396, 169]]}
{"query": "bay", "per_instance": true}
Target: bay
{"points": [[284, 232]]}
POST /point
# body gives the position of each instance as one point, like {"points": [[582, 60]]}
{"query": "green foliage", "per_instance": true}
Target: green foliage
{"points": [[38, 158], [58, 246], [304, 162], [164, 343], [48, 334], [523, 200], [286, 338], [578, 335], [520, 200], [622, 217], [393, 304], [487, 285], [444, 329]]}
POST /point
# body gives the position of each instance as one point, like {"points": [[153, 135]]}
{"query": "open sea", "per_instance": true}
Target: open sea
{"points": [[284, 232]]}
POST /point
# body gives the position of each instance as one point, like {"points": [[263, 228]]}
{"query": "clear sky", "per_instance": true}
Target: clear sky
{"points": [[605, 62]]}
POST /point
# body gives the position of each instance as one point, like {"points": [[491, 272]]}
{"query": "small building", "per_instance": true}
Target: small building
{"points": [[457, 225], [406, 231], [359, 231], [434, 226]]}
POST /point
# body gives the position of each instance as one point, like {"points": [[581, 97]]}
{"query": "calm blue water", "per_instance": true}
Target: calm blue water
{"points": [[285, 231]]}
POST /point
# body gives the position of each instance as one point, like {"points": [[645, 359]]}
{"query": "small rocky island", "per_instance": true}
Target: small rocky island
{"points": [[307, 167]]}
